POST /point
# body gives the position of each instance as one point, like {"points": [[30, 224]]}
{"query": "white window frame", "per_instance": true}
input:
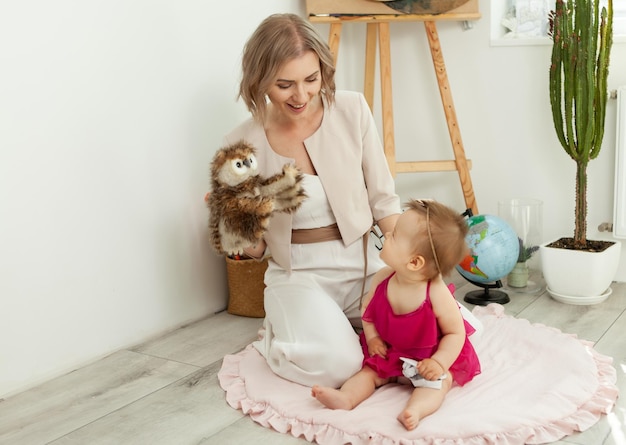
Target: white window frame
{"points": [[500, 37]]}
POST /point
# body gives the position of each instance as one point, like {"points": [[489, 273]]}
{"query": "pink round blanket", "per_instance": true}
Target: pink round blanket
{"points": [[537, 385]]}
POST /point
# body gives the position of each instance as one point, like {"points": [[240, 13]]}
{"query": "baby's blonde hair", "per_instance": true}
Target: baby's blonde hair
{"points": [[440, 237]]}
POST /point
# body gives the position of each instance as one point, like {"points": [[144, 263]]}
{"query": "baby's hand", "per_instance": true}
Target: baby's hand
{"points": [[430, 369], [376, 346]]}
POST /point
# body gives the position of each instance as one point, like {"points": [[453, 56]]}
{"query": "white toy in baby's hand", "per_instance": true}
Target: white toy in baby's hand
{"points": [[409, 369]]}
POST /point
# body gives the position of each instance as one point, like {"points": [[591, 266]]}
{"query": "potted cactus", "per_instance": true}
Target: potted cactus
{"points": [[582, 35]]}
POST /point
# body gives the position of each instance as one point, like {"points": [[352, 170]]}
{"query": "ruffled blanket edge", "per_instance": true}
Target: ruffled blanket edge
{"points": [[587, 414]]}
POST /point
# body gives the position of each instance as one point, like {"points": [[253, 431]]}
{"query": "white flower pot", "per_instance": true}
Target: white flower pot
{"points": [[578, 277]]}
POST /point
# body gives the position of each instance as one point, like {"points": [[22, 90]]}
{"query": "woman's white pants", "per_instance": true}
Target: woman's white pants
{"points": [[307, 335]]}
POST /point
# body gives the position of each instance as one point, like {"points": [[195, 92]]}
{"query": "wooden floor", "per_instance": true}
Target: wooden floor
{"points": [[166, 390]]}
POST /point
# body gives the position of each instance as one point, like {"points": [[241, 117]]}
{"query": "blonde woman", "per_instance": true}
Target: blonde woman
{"points": [[321, 256]]}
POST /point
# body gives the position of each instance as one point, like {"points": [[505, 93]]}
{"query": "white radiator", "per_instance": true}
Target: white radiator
{"points": [[619, 209]]}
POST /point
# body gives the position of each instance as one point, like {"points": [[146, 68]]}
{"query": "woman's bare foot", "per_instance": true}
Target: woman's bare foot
{"points": [[331, 398], [410, 419]]}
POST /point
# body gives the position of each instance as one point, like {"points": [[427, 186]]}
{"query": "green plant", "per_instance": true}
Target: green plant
{"points": [[525, 252], [582, 36]]}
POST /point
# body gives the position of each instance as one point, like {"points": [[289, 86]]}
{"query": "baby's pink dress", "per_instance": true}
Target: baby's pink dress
{"points": [[415, 335]]}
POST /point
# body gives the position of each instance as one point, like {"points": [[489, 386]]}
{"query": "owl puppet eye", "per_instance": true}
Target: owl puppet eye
{"points": [[239, 166]]}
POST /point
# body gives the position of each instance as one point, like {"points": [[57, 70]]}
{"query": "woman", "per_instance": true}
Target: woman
{"points": [[321, 260]]}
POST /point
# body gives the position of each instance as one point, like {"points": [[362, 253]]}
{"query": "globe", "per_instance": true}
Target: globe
{"points": [[494, 249]]}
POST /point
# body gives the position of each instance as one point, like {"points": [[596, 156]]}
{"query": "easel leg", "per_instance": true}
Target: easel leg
{"points": [[370, 63], [387, 99], [448, 108], [333, 40]]}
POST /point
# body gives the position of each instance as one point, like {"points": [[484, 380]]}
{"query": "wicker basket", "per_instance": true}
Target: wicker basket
{"points": [[246, 286]]}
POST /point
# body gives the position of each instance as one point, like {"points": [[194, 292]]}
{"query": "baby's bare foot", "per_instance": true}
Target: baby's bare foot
{"points": [[410, 419], [331, 398]]}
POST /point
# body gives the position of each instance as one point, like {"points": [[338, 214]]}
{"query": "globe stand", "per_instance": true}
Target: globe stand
{"points": [[486, 296]]}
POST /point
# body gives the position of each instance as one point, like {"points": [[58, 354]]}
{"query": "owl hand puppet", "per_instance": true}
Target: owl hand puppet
{"points": [[241, 201]]}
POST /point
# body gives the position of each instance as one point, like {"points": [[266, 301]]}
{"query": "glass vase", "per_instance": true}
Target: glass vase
{"points": [[525, 216], [518, 277]]}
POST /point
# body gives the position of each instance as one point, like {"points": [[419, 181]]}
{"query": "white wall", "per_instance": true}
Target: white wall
{"points": [[110, 113]]}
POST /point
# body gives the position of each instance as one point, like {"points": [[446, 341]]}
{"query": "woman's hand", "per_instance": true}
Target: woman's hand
{"points": [[430, 369], [376, 346]]}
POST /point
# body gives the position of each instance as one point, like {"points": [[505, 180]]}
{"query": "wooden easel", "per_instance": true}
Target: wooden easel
{"points": [[378, 29]]}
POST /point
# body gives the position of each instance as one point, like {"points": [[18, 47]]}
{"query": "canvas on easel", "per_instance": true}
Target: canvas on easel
{"points": [[442, 9]]}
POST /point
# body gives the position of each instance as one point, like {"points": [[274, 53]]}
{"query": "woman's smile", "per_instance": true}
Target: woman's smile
{"points": [[297, 108]]}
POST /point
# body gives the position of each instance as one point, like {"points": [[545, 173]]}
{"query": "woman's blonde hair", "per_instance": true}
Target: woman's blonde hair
{"points": [[278, 39], [440, 238]]}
